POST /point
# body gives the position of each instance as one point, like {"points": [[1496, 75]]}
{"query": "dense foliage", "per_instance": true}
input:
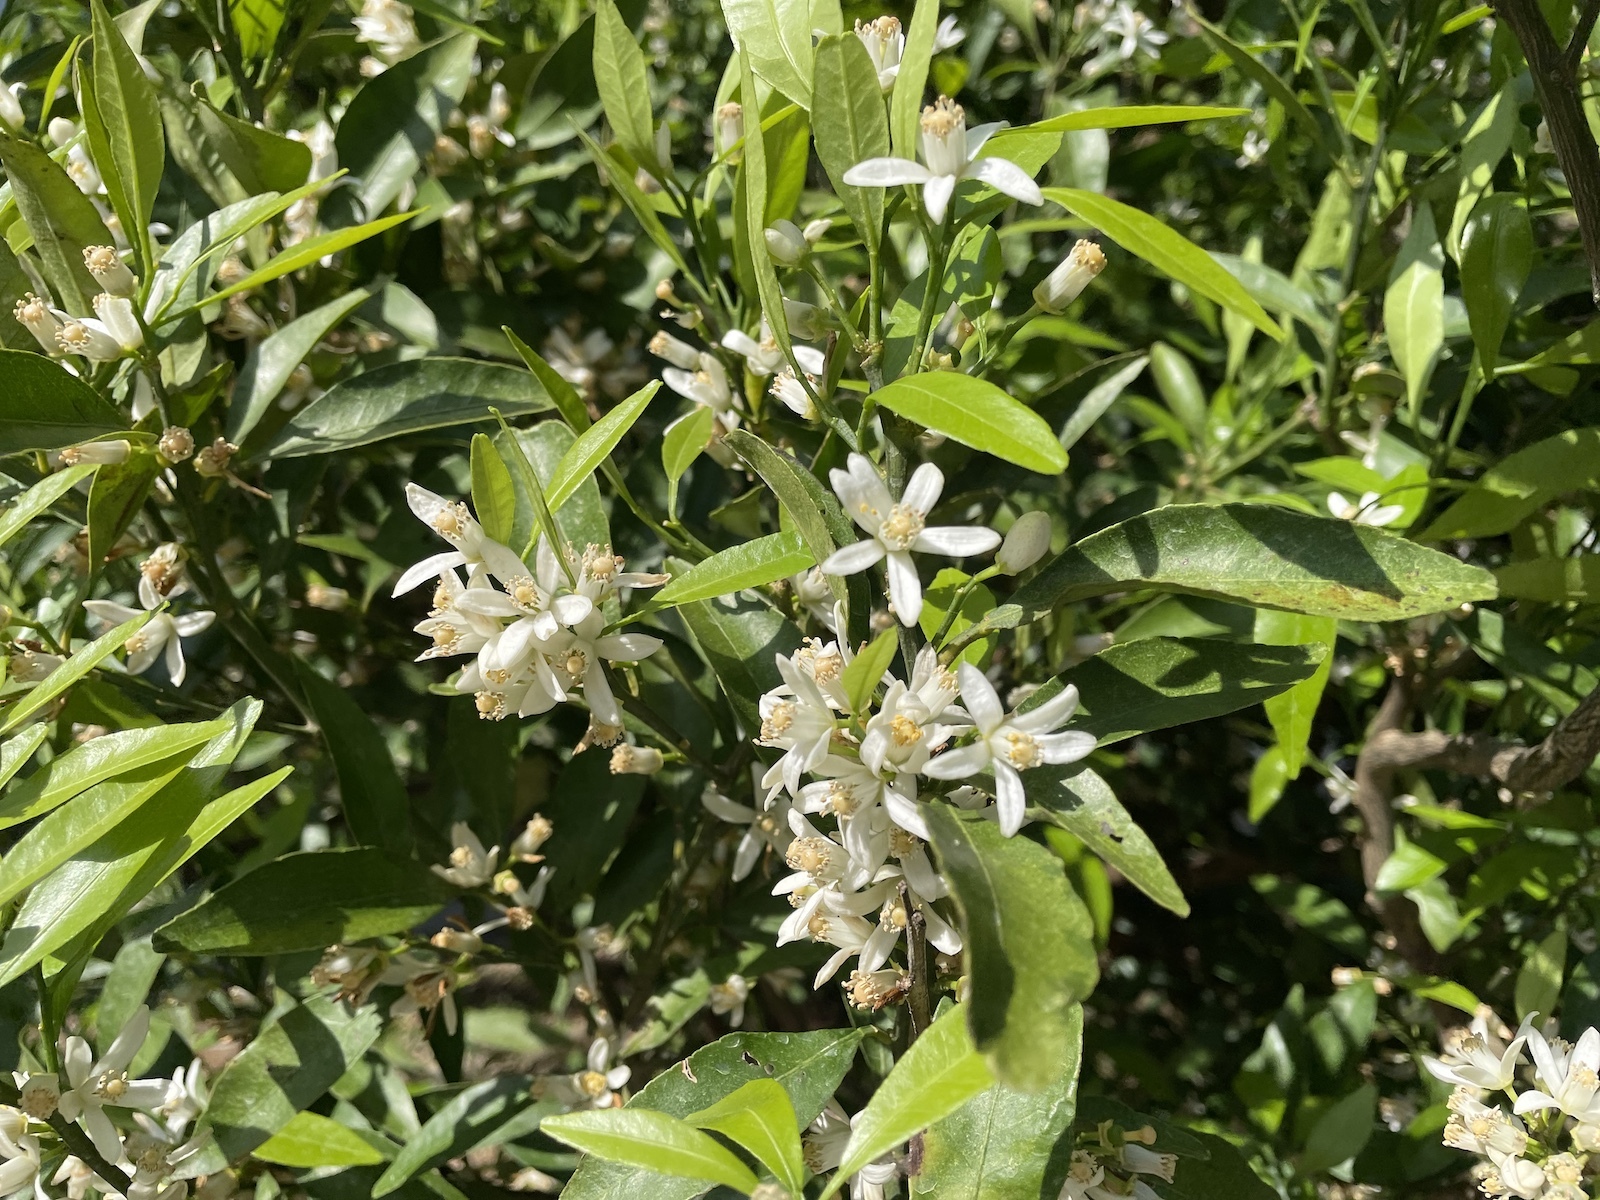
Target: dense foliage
{"points": [[989, 601]]}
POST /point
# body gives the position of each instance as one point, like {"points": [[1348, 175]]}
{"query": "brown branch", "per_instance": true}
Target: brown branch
{"points": [[1555, 81], [1579, 40]]}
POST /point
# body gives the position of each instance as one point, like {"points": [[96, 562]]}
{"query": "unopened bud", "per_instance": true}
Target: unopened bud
{"points": [[1066, 283], [676, 351], [457, 941], [327, 597], [99, 454], [730, 126], [11, 114], [109, 271], [814, 230], [786, 242], [176, 444], [1027, 541], [635, 760]]}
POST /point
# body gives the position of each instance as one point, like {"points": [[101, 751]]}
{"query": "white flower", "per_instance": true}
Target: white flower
{"points": [[525, 847], [762, 829], [1148, 1162], [20, 1151], [815, 596], [728, 998], [11, 114], [109, 271], [1125, 33], [41, 320], [895, 530], [578, 662], [578, 361], [387, 27], [89, 337], [1518, 1177], [1566, 1075], [101, 454], [707, 384], [1479, 1059], [597, 1086], [488, 127], [186, 1098], [949, 35], [474, 549], [628, 759], [675, 350], [950, 151], [1071, 275], [429, 988], [788, 391], [116, 314], [96, 1083], [1010, 743], [1027, 541], [824, 1147], [797, 719], [885, 42], [730, 126], [162, 632], [1084, 1173], [1366, 511], [765, 357], [471, 866], [1481, 1129]]}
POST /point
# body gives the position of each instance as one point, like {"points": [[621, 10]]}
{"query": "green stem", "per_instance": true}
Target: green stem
{"points": [[1358, 225]]}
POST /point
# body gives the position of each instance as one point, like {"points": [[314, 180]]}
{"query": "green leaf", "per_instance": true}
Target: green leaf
{"points": [[1223, 1172], [936, 602], [1167, 250], [1098, 399], [1179, 386], [404, 398], [684, 441], [1539, 980], [760, 1118], [595, 444], [776, 37], [113, 756], [310, 1141], [938, 1073], [303, 254], [340, 895], [562, 394], [272, 361], [1126, 116], [1486, 141], [739, 638], [850, 126], [1266, 556], [123, 121], [1293, 711], [808, 1066], [44, 408], [1553, 580], [978, 414], [1520, 485], [861, 678], [374, 800], [115, 498], [63, 221], [1029, 945], [1409, 866], [1267, 780], [36, 501], [396, 116], [494, 496], [1413, 305], [619, 74], [17, 751], [1342, 1131], [999, 1145], [288, 1067], [620, 176], [262, 161], [470, 1119], [1496, 256], [582, 519], [1276, 291], [747, 565], [75, 668], [752, 183], [905, 102], [653, 1140], [256, 24], [1076, 799], [1275, 88]]}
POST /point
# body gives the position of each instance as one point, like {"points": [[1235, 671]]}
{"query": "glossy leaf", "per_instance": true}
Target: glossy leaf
{"points": [[776, 35], [976, 413], [938, 1073], [1413, 306], [44, 408], [594, 444], [1539, 979], [747, 565], [1293, 711], [262, 161], [1265, 556], [653, 1140], [582, 519], [850, 126], [865, 671], [760, 1117], [494, 496], [1127, 116], [1484, 144], [115, 498], [469, 1119], [683, 442], [288, 1067], [340, 895], [271, 362], [1167, 250], [36, 501], [620, 176], [16, 752], [83, 661], [374, 800], [309, 1140], [1252, 68], [624, 88], [123, 122], [1029, 945], [753, 183], [404, 398], [1496, 255], [905, 102], [1099, 398], [1079, 801], [63, 221], [1520, 484], [303, 254], [1342, 1130], [562, 394]]}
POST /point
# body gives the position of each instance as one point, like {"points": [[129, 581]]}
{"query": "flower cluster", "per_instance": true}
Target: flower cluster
{"points": [[1107, 1163], [1544, 1148], [537, 638], [137, 1126]]}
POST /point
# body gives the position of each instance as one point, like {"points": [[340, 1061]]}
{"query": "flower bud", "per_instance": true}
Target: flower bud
{"points": [[786, 242], [90, 338], [457, 941], [805, 320], [791, 393], [61, 130], [1027, 541], [730, 126], [100, 454], [1066, 283], [327, 597], [117, 315], [39, 319], [176, 444], [11, 115], [815, 230], [676, 351], [535, 834], [109, 271], [635, 760]]}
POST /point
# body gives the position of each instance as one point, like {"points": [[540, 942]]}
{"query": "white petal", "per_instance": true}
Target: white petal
{"points": [[190, 624], [102, 1132], [958, 541], [628, 647], [426, 570], [906, 814], [741, 343], [936, 196], [978, 135], [831, 967], [597, 691], [1011, 800], [922, 491], [944, 939], [857, 556], [1050, 715], [1058, 749], [979, 696], [1532, 1102], [176, 667], [1005, 176], [958, 764], [16, 1175], [905, 589], [110, 611], [811, 360], [886, 172]]}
